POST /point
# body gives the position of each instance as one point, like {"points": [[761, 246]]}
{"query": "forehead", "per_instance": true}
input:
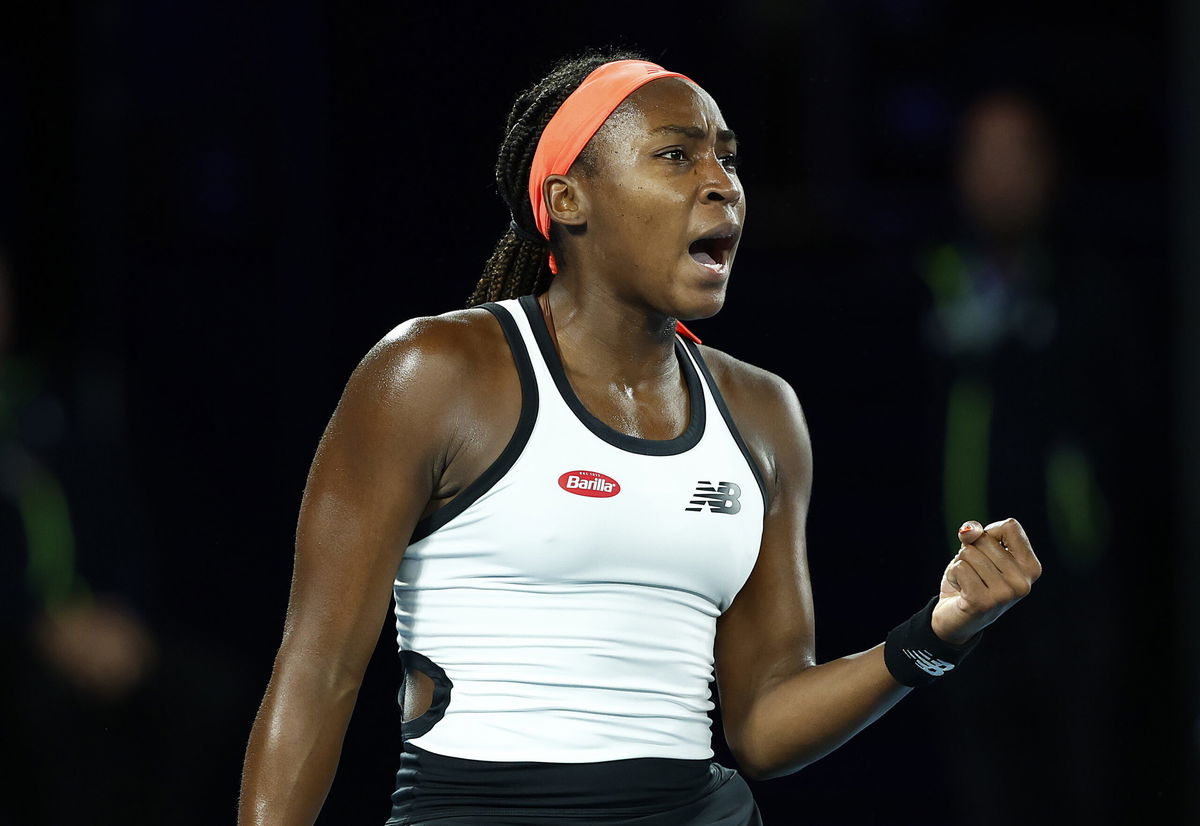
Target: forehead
{"points": [[669, 101], [999, 120]]}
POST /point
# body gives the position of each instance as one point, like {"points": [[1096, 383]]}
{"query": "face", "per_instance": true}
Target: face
{"points": [[660, 212], [1004, 168]]}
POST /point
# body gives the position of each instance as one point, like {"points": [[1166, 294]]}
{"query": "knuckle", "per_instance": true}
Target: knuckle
{"points": [[972, 555], [1008, 526]]}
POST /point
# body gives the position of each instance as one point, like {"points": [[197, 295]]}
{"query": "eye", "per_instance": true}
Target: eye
{"points": [[731, 162], [676, 154]]}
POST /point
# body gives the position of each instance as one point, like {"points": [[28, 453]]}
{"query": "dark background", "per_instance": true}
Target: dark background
{"points": [[210, 212]]}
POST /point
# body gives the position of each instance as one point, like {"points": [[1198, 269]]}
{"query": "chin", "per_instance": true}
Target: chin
{"points": [[700, 304]]}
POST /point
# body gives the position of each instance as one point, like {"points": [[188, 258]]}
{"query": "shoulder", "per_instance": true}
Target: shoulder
{"points": [[743, 379], [768, 415], [426, 371], [458, 336], [433, 350]]}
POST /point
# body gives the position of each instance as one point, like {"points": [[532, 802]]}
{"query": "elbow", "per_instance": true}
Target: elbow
{"points": [[757, 759], [757, 728], [762, 771], [752, 771], [751, 762], [310, 678]]}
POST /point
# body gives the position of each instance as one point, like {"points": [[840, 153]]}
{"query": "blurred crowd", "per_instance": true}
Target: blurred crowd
{"points": [[1023, 398], [111, 712]]}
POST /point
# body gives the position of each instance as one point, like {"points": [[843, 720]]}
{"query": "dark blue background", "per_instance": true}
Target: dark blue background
{"points": [[211, 211]]}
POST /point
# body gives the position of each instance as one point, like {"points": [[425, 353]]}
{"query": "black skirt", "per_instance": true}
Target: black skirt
{"points": [[436, 790]]}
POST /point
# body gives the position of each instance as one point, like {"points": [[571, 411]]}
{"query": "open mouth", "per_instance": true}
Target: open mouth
{"points": [[713, 250]]}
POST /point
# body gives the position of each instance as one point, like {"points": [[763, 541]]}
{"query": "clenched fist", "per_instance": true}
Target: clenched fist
{"points": [[995, 567]]}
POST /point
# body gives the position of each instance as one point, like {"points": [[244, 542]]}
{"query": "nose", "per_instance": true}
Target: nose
{"points": [[720, 185]]}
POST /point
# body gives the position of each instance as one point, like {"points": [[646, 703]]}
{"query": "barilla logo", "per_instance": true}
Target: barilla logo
{"points": [[589, 483]]}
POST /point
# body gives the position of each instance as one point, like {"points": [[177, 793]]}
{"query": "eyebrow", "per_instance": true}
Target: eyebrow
{"points": [[695, 132]]}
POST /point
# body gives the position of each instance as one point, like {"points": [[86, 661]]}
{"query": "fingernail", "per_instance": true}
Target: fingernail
{"points": [[966, 526]]}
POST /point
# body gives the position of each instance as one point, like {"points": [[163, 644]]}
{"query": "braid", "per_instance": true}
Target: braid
{"points": [[520, 266]]}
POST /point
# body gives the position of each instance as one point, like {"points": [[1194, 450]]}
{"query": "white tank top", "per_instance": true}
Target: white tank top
{"points": [[565, 603]]}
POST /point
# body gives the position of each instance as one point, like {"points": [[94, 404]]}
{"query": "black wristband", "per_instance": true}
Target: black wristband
{"points": [[916, 656]]}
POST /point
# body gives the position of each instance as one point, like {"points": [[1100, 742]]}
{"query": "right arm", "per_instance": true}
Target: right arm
{"points": [[374, 472]]}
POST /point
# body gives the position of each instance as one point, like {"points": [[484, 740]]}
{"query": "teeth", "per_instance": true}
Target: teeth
{"points": [[711, 250]]}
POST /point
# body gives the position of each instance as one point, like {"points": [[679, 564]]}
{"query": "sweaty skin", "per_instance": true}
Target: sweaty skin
{"points": [[436, 401]]}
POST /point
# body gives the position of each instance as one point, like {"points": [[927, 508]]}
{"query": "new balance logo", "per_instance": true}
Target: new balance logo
{"points": [[928, 663], [723, 498]]}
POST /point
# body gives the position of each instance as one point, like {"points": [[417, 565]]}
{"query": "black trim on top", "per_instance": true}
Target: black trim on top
{"points": [[442, 686], [520, 437], [728, 417], [685, 441]]}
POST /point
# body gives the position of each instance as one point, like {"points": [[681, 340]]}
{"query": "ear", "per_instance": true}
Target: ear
{"points": [[566, 201]]}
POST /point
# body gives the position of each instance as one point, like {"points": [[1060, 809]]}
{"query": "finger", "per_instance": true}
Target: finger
{"points": [[988, 573], [999, 573], [950, 575], [963, 576], [1004, 562], [949, 583], [969, 532], [1010, 534]]}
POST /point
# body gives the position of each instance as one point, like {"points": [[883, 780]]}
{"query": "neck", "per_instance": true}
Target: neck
{"points": [[600, 335]]}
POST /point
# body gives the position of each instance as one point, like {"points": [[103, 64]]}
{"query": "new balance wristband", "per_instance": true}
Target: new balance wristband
{"points": [[916, 656]]}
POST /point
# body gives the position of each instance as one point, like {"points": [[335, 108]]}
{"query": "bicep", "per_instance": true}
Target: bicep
{"points": [[767, 633], [370, 478]]}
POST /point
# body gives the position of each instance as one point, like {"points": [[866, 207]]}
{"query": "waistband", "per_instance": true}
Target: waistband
{"points": [[429, 785]]}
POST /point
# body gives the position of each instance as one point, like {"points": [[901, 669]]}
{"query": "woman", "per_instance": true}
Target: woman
{"points": [[569, 493]]}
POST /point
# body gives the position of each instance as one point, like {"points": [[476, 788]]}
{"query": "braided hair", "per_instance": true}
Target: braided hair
{"points": [[520, 265]]}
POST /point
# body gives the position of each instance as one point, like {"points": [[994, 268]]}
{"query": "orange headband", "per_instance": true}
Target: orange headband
{"points": [[572, 126], [581, 114]]}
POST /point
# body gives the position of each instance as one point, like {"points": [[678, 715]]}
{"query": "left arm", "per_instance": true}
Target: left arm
{"points": [[781, 710]]}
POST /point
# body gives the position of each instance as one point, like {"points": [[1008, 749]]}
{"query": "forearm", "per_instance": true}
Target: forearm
{"points": [[804, 716], [294, 747]]}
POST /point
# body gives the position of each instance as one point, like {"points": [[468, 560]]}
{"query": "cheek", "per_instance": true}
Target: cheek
{"points": [[640, 223], [645, 219], [654, 213]]}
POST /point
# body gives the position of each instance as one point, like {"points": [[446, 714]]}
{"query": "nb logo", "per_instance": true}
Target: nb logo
{"points": [[723, 498], [928, 663]]}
